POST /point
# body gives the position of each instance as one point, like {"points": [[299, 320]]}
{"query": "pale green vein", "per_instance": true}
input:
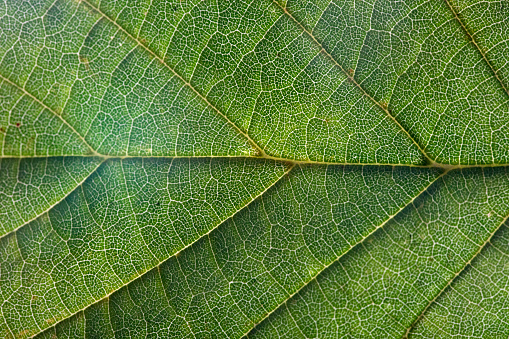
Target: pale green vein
{"points": [[471, 37], [82, 139], [431, 302]]}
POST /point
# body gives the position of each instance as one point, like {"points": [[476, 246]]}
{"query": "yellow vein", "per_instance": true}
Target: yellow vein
{"points": [[141, 273], [56, 203], [445, 167], [471, 36], [353, 81], [186, 83], [94, 152]]}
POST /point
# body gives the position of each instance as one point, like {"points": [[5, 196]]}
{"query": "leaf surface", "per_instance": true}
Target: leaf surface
{"points": [[289, 168], [474, 305], [126, 218], [31, 186], [276, 91], [436, 66], [380, 287]]}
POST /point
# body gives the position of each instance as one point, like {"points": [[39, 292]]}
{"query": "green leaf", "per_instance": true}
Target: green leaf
{"points": [[127, 217], [30, 187], [290, 168], [227, 281]]}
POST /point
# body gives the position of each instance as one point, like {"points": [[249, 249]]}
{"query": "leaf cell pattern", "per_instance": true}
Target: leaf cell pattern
{"points": [[255, 168]]}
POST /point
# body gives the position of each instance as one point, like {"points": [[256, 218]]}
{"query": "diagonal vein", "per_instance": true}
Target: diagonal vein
{"points": [[355, 83], [56, 203], [92, 150], [421, 315], [187, 83], [105, 297], [390, 217], [471, 37]]}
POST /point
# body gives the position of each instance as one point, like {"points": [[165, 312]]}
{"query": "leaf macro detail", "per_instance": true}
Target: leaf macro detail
{"points": [[254, 169]]}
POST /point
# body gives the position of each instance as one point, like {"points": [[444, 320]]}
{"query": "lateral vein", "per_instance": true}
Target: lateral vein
{"points": [[355, 83], [186, 83], [471, 37], [92, 150], [421, 315]]}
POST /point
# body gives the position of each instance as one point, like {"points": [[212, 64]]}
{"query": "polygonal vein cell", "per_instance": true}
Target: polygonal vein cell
{"points": [[126, 218], [229, 280], [475, 305], [248, 59], [380, 287], [114, 93]]}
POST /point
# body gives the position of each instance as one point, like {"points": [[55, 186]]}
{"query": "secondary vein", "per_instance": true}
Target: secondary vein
{"points": [[353, 81], [186, 83], [421, 315], [92, 150], [471, 37]]}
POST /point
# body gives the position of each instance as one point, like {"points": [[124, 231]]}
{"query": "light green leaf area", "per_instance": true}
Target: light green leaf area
{"points": [[129, 216], [380, 287], [475, 305], [254, 168]]}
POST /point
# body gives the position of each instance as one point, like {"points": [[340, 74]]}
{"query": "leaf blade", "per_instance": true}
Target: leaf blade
{"points": [[481, 315], [154, 113], [119, 117], [380, 287], [394, 51], [32, 186]]}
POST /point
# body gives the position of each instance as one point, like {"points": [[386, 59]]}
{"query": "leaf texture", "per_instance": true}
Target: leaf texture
{"points": [[31, 186], [125, 99], [474, 306], [379, 288], [254, 168], [126, 218], [424, 65]]}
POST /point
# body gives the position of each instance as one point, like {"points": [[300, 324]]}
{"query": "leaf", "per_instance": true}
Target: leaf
{"points": [[220, 169], [228, 280], [30, 187], [475, 302]]}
